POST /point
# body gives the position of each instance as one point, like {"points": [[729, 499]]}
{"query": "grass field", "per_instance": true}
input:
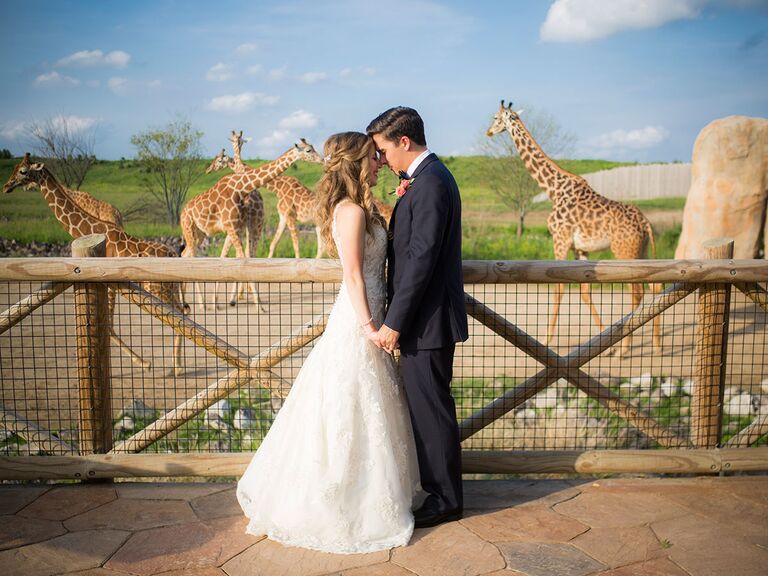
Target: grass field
{"points": [[489, 225]]}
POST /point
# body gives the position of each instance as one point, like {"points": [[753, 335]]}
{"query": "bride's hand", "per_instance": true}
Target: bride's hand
{"points": [[373, 336]]}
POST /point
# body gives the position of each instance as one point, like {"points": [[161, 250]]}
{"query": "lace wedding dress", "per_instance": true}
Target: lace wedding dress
{"points": [[337, 471]]}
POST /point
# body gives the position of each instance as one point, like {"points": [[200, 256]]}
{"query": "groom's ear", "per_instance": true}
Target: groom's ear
{"points": [[405, 142]]}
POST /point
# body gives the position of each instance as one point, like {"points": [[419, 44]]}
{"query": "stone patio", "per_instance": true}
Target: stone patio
{"points": [[617, 527]]}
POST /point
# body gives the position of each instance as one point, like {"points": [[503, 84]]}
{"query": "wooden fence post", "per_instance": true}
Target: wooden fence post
{"points": [[93, 362], [713, 307]]}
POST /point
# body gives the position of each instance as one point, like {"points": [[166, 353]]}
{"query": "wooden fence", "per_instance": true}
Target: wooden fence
{"points": [[699, 451]]}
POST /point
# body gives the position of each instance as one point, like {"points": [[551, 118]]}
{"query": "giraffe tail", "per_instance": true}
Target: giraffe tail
{"points": [[649, 230]]}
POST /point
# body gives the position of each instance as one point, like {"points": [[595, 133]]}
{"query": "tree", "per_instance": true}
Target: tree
{"points": [[507, 174], [171, 158], [65, 143], [5, 154]]}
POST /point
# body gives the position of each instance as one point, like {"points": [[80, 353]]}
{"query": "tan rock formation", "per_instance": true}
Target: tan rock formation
{"points": [[729, 188]]}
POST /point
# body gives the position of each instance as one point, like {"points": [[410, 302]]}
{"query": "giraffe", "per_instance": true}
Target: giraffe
{"points": [[220, 209], [295, 202], [581, 219], [78, 222], [95, 207]]}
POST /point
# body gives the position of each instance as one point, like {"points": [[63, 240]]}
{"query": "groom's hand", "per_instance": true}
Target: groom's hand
{"points": [[388, 338]]}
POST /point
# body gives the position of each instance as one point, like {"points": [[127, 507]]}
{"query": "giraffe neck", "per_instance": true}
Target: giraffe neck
{"points": [[236, 144], [75, 220], [548, 175], [259, 177]]}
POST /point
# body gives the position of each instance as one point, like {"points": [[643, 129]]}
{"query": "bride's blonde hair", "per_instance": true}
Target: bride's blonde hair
{"points": [[346, 173]]}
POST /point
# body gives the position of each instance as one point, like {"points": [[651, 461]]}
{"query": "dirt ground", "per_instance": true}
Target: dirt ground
{"points": [[38, 368]]}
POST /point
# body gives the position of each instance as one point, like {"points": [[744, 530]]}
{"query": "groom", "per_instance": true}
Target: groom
{"points": [[426, 314]]}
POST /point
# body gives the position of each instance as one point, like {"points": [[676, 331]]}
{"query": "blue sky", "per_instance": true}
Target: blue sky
{"points": [[631, 79]]}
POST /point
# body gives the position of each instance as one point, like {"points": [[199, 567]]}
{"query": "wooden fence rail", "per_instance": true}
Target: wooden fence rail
{"points": [[93, 276]]}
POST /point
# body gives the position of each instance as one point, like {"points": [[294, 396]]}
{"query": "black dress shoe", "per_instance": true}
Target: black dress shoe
{"points": [[426, 518]]}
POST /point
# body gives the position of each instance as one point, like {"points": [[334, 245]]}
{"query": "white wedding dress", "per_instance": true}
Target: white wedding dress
{"points": [[337, 471]]}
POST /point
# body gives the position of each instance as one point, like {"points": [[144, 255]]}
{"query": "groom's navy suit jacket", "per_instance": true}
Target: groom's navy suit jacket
{"points": [[425, 286]]}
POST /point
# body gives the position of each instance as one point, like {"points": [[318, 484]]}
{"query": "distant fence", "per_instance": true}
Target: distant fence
{"points": [[74, 406], [645, 182]]}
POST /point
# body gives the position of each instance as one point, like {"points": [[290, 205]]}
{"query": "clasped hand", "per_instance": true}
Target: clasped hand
{"points": [[385, 338]]}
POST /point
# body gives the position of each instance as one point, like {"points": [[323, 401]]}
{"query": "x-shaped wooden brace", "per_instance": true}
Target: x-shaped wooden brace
{"points": [[569, 366], [246, 368]]}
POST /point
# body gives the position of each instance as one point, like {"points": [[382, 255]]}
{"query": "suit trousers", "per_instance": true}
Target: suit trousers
{"points": [[427, 377]]}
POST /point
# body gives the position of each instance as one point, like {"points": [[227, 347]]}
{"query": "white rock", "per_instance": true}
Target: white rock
{"points": [[643, 382], [763, 405], [139, 410], [126, 424], [741, 405], [219, 409], [216, 423], [730, 392], [764, 386], [668, 387], [545, 399], [5, 434], [687, 386], [526, 415], [245, 419]]}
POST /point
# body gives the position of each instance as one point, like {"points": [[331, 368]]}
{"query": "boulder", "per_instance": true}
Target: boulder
{"points": [[729, 188]]}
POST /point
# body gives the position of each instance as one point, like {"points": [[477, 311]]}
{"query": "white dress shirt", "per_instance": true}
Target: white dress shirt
{"points": [[417, 161]]}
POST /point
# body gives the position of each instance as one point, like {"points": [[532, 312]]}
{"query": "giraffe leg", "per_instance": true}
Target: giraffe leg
{"points": [[254, 235], [319, 242], [232, 233], [656, 290], [278, 234], [135, 358], [561, 253], [637, 291], [294, 235], [559, 289]]}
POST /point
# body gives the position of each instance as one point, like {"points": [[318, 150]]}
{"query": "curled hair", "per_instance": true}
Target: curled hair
{"points": [[398, 122], [346, 177]]}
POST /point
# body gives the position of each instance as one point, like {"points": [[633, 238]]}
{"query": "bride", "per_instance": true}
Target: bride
{"points": [[337, 471]]}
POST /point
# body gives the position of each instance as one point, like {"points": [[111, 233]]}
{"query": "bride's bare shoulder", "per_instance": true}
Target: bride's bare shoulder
{"points": [[348, 210]]}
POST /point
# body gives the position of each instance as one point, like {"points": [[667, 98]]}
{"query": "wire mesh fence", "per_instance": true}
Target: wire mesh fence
{"points": [[580, 394]]}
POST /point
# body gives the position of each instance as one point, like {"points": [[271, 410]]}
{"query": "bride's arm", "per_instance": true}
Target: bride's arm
{"points": [[350, 219]]}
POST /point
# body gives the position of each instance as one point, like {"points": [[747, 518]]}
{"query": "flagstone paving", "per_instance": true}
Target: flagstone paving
{"points": [[577, 527]]}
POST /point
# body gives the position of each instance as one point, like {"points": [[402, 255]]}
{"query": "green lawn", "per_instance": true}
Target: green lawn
{"points": [[26, 217]]}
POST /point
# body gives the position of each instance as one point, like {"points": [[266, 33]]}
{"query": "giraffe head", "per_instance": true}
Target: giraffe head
{"points": [[237, 140], [503, 118], [307, 152], [26, 174], [220, 161]]}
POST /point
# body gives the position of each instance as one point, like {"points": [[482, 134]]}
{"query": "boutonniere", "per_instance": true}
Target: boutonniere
{"points": [[402, 187]]}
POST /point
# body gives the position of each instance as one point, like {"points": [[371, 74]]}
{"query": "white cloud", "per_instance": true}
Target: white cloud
{"points": [[55, 79], [636, 139], [118, 85], [13, 130], [116, 59], [298, 120], [313, 77], [585, 20], [65, 124], [277, 138], [219, 72], [241, 102], [254, 69], [278, 73], [245, 48], [350, 72]]}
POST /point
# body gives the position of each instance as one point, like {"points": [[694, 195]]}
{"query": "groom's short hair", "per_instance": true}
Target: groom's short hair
{"points": [[398, 122]]}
